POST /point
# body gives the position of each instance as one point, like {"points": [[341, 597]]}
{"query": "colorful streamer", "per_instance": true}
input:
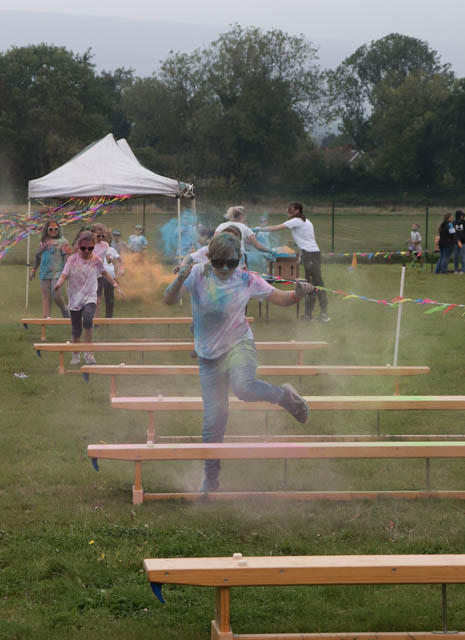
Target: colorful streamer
{"points": [[17, 227], [443, 307], [386, 255]]}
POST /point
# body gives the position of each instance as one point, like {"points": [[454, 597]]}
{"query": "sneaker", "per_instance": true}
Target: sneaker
{"points": [[307, 318], [324, 318], [209, 485], [89, 358], [294, 403], [76, 357]]}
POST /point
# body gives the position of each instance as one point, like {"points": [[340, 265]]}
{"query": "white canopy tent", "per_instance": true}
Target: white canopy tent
{"points": [[104, 168]]}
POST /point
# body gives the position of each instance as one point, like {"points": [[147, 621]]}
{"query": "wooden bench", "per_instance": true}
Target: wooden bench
{"points": [[238, 571], [168, 321], [292, 370], [317, 403], [138, 453], [144, 347]]}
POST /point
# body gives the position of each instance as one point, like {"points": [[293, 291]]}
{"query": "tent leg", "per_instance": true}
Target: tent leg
{"points": [[28, 253], [179, 228]]}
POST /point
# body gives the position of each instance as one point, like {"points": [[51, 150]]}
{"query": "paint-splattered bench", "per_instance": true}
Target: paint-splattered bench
{"points": [[114, 371], [153, 405], [238, 571], [138, 453], [163, 321], [65, 347]]}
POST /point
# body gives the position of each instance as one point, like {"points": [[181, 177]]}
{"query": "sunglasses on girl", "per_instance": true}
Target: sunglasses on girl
{"points": [[86, 248], [53, 229], [232, 263]]}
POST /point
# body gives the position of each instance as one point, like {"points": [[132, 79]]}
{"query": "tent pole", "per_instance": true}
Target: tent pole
{"points": [[28, 253], [179, 229], [143, 214], [194, 212]]}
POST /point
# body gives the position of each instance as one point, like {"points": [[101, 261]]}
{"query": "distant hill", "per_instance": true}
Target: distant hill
{"points": [[115, 42]]}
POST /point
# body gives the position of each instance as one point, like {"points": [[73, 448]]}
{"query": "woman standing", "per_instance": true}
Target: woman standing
{"points": [[447, 242], [236, 217], [83, 269], [224, 342], [51, 257], [304, 236]]}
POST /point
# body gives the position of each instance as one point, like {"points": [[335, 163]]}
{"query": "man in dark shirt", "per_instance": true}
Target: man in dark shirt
{"points": [[459, 251]]}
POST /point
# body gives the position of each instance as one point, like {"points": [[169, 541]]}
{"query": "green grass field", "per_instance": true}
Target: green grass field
{"points": [[72, 544]]}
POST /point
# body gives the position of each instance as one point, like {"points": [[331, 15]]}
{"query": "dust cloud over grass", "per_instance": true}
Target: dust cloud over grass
{"points": [[56, 584]]}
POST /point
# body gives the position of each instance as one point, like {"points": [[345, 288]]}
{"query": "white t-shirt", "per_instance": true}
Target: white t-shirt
{"points": [[200, 256], [303, 233], [82, 280], [246, 232], [218, 308], [415, 241], [109, 266]]}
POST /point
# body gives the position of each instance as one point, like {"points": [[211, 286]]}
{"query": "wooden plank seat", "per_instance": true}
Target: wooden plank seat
{"points": [[168, 321], [143, 347], [238, 571], [267, 370], [138, 453], [156, 404]]}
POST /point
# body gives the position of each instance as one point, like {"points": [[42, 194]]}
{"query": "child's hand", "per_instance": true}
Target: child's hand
{"points": [[184, 271], [303, 288]]}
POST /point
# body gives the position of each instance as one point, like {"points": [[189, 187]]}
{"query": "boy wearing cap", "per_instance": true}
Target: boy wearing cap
{"points": [[117, 243]]}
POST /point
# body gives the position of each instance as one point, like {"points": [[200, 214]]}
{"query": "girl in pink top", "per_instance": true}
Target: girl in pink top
{"points": [[82, 271]]}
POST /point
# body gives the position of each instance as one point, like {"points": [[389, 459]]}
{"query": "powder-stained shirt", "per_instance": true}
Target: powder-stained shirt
{"points": [[101, 249], [136, 243], [82, 280], [303, 233], [52, 258], [218, 308]]}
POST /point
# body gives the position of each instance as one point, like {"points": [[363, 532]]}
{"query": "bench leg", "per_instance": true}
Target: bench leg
{"points": [[151, 428], [221, 627], [113, 387], [300, 358], [61, 363], [137, 490], [396, 391], [42, 337]]}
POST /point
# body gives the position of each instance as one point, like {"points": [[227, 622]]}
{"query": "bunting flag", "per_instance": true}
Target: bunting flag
{"points": [[17, 227], [443, 307], [387, 255]]}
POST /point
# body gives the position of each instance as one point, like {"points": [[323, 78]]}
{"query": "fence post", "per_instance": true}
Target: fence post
{"points": [[427, 217], [333, 205]]}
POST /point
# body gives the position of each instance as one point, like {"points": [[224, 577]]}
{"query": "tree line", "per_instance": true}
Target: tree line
{"points": [[243, 112]]}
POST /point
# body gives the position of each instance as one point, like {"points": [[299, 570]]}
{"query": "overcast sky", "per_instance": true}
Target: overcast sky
{"points": [[337, 27]]}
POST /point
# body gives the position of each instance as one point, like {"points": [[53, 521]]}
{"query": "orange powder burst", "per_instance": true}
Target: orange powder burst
{"points": [[144, 275]]}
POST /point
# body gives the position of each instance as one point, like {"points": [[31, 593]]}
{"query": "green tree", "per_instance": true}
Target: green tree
{"points": [[51, 105], [452, 132], [353, 86], [406, 129], [237, 110]]}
